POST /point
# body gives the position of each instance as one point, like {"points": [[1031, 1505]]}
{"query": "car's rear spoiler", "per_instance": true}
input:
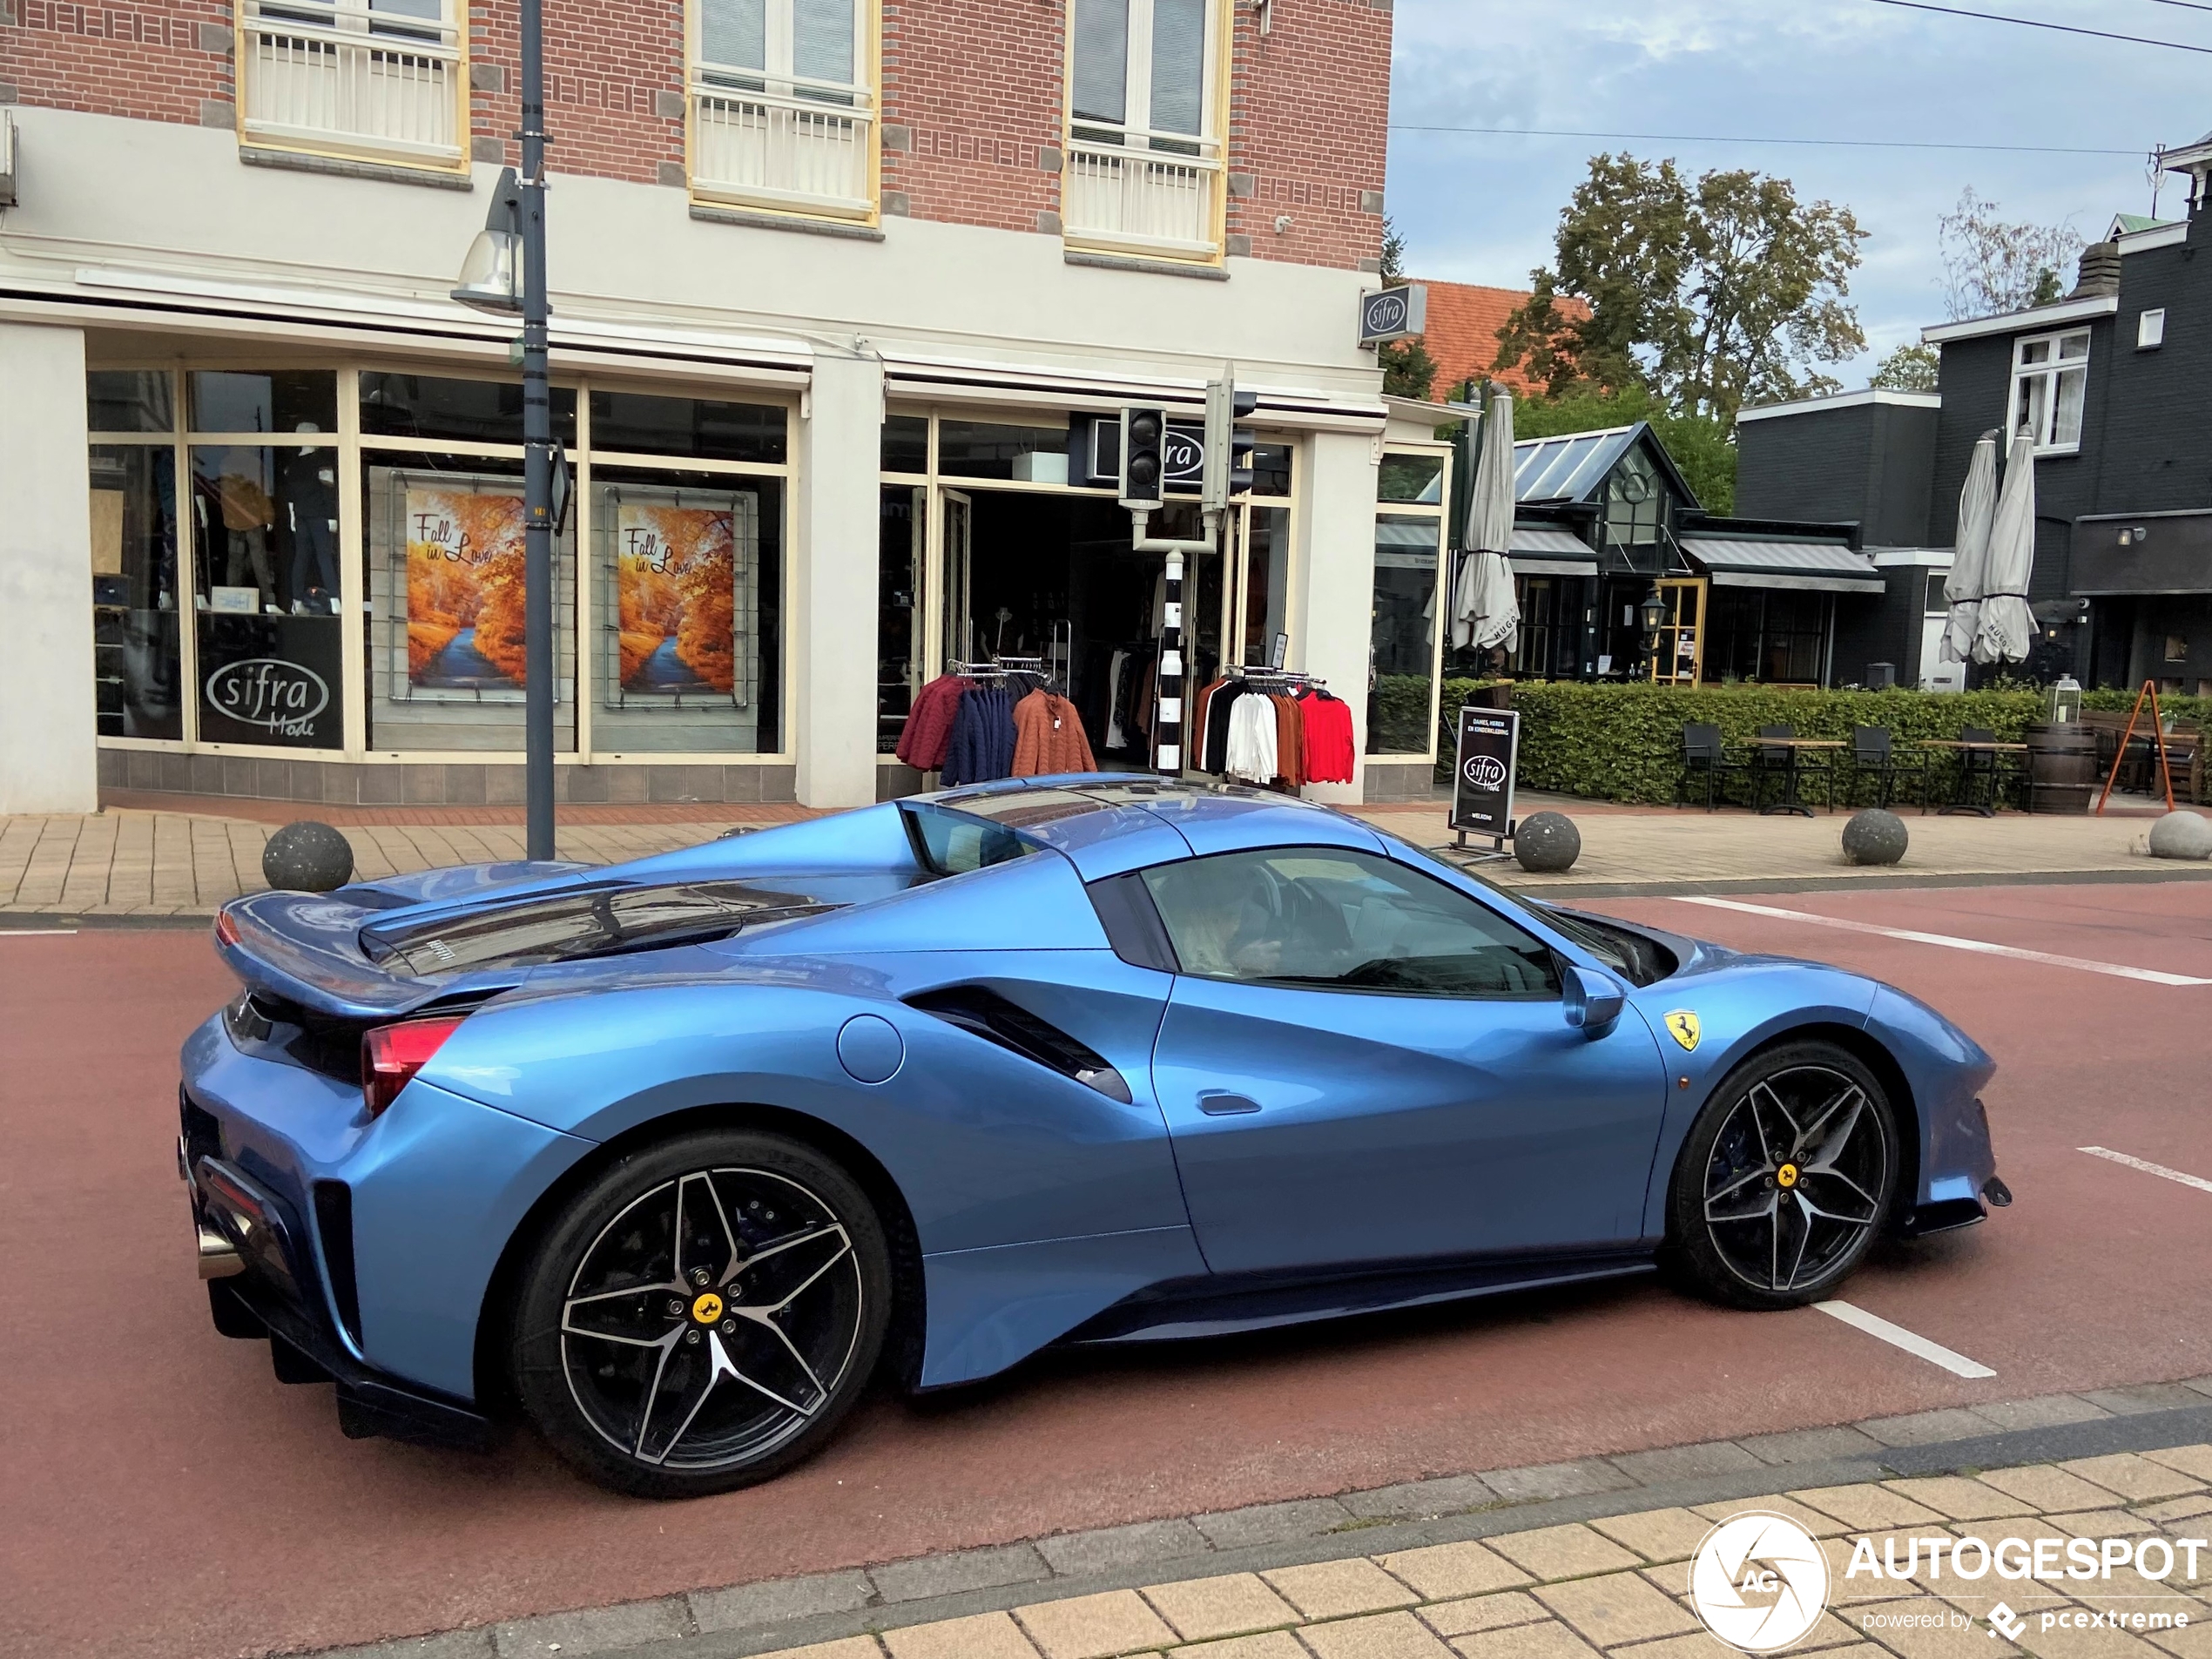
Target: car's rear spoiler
{"points": [[302, 948]]}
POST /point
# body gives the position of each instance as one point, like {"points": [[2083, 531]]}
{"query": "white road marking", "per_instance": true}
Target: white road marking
{"points": [[1898, 1336], [1949, 941], [37, 933], [2147, 1168]]}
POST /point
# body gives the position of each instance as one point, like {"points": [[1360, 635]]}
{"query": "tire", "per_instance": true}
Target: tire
{"points": [[1789, 1175], [672, 1365]]}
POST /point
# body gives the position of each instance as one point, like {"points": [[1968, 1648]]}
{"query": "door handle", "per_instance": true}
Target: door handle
{"points": [[1217, 1103]]}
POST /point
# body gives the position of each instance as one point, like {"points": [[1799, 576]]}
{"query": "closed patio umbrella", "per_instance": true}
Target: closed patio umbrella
{"points": [[2007, 626], [1485, 614], [1962, 588]]}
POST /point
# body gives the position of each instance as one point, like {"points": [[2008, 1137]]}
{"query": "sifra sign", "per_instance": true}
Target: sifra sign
{"points": [[1392, 313], [1482, 776], [271, 680]]}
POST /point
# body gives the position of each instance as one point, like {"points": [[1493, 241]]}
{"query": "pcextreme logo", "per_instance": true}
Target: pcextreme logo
{"points": [[1759, 1581]]}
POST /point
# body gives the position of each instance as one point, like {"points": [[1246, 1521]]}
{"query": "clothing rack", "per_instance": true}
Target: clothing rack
{"points": [[1278, 675], [998, 668]]}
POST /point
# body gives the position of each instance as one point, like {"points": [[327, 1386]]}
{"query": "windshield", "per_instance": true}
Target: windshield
{"points": [[563, 926], [1636, 959]]}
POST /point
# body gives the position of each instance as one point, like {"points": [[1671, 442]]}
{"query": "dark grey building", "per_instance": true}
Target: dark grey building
{"points": [[2116, 379]]}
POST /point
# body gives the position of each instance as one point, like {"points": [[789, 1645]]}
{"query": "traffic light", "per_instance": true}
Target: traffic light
{"points": [[1242, 441], [1229, 447], [1143, 466]]}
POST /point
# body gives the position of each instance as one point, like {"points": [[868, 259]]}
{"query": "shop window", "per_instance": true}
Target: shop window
{"points": [[687, 609], [1271, 469], [129, 400], [139, 677], [1143, 167], [1402, 695], [265, 531], [635, 424], [980, 449], [906, 443], [446, 665], [2050, 375], [782, 105], [1410, 478], [1267, 566], [903, 518], [1770, 636], [383, 79], [423, 406], [1936, 604], [276, 400]]}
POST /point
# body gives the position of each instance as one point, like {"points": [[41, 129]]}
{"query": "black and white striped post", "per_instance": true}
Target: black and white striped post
{"points": [[1167, 726]]}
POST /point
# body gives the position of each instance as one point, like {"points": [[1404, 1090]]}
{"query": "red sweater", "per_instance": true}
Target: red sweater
{"points": [[929, 725], [1328, 739]]}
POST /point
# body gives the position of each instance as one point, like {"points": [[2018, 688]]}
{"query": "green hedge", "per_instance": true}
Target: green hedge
{"points": [[2190, 711], [1398, 714], [1624, 742]]}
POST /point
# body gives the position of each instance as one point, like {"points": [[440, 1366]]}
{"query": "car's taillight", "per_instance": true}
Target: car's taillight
{"points": [[393, 1054], [225, 928]]}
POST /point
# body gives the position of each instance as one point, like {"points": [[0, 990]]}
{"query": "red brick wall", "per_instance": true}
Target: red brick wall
{"points": [[972, 90], [607, 62], [1308, 124], [147, 61]]}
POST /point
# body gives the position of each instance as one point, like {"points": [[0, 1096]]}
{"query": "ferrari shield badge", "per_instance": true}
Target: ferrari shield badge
{"points": [[1683, 1024]]}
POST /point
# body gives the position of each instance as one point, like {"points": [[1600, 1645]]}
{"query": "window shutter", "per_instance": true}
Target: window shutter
{"points": [[1178, 66], [1102, 60], [734, 32], [821, 40]]}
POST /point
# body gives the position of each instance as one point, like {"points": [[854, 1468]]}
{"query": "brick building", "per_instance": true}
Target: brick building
{"points": [[1464, 318], [840, 288]]}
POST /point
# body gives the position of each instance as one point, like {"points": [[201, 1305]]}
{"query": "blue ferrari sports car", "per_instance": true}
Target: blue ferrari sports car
{"points": [[671, 1158]]}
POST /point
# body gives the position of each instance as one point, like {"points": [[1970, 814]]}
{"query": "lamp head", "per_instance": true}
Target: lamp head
{"points": [[491, 274]]}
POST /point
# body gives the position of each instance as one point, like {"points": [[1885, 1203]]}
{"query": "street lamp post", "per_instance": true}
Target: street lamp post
{"points": [[504, 273]]}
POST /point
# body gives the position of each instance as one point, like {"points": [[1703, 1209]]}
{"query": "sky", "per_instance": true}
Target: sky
{"points": [[1482, 208]]}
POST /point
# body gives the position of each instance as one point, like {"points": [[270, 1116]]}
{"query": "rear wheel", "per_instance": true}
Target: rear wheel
{"points": [[1787, 1178], [703, 1314]]}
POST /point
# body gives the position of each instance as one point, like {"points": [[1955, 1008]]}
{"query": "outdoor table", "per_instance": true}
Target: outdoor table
{"points": [[1962, 790], [1790, 803]]}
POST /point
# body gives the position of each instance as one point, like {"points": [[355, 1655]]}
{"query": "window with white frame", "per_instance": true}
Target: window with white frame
{"points": [[2050, 374], [381, 79], [783, 106], [1143, 170]]}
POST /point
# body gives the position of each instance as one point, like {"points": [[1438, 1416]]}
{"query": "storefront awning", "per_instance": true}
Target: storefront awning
{"points": [[1825, 567], [1543, 550]]}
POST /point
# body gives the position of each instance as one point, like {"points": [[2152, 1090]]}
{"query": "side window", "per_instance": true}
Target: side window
{"points": [[954, 844], [1327, 918]]}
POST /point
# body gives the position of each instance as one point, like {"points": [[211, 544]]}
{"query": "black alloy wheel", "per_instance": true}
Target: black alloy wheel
{"points": [[703, 1314], [1788, 1176]]}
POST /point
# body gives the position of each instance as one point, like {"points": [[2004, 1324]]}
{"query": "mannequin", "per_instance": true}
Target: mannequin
{"points": [[247, 514], [311, 499]]}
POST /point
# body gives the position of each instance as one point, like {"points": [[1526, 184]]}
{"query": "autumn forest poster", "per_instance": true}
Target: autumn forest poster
{"points": [[464, 591], [675, 584]]}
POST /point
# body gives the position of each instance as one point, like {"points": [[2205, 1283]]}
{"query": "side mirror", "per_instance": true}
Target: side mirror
{"points": [[1590, 1002]]}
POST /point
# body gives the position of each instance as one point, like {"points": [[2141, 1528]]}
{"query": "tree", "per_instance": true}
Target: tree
{"points": [[1713, 294], [1408, 370], [1702, 447], [1990, 267], [1910, 367]]}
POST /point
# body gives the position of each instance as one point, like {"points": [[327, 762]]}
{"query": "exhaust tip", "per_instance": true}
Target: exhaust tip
{"points": [[219, 1258], [1997, 1193]]}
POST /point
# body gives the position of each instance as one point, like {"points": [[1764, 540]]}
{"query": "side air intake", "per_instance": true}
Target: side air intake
{"points": [[983, 1012]]}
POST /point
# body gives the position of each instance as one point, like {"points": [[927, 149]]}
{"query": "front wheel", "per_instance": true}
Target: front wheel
{"points": [[702, 1315], [1787, 1178]]}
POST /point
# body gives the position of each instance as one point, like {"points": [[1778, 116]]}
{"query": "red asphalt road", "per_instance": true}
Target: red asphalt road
{"points": [[164, 1496]]}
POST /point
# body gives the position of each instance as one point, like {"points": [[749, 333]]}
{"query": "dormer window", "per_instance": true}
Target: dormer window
{"points": [[2050, 377]]}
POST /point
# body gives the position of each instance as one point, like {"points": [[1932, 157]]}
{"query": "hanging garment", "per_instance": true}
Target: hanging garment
{"points": [[1116, 738], [982, 749], [1252, 740], [1160, 603], [1328, 738], [1289, 728], [1219, 710], [1049, 736], [1195, 731], [929, 723]]}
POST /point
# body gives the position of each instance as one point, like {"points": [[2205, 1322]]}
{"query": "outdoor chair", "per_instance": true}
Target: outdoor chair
{"points": [[1782, 762], [1703, 755], [1981, 777], [1874, 753]]}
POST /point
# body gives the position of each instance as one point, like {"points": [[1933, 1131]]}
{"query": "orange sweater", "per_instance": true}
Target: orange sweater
{"points": [[1049, 736]]}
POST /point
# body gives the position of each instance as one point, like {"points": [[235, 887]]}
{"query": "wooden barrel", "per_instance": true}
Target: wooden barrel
{"points": [[2062, 768]]}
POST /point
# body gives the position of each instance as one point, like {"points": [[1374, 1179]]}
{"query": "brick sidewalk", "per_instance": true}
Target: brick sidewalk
{"points": [[129, 863]]}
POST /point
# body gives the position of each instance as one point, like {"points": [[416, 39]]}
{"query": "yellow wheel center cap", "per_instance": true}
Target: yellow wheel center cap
{"points": [[708, 1308], [1786, 1177]]}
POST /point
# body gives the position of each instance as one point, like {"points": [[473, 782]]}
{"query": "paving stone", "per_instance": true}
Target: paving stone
{"points": [[1450, 1495], [965, 1569], [1830, 1633], [1549, 1640], [2047, 1410], [2192, 1642], [1563, 1552], [1541, 1480], [2092, 1643], [1482, 1613], [1866, 1504], [446, 1644], [1201, 1609], [1925, 1428], [2133, 1477], [2045, 1489], [1338, 1590], [1094, 1627], [1657, 1534], [849, 1647], [1383, 1635], [1107, 1549], [1615, 1608], [743, 1606], [1276, 1644], [1272, 1523], [1956, 1498], [2194, 1461], [2188, 1508], [2099, 1523], [2201, 1385], [2145, 1397], [588, 1630], [986, 1635], [1442, 1570], [1810, 1445], [1682, 1462], [1773, 1503]]}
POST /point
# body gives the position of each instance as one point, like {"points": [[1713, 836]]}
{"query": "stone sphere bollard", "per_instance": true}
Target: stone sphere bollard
{"points": [[1875, 837], [2182, 836], [1546, 842], [308, 856]]}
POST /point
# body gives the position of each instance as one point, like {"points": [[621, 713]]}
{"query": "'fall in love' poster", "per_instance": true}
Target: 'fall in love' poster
{"points": [[464, 591], [675, 585]]}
